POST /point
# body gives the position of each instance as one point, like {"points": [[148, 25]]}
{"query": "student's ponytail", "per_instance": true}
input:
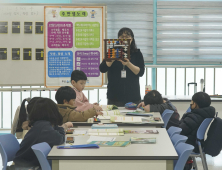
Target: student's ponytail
{"points": [[22, 115]]}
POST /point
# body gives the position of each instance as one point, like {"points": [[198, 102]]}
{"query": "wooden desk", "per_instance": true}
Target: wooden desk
{"points": [[158, 124], [157, 156]]}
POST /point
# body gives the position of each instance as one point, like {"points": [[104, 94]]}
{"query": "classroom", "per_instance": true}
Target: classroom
{"points": [[110, 84]]}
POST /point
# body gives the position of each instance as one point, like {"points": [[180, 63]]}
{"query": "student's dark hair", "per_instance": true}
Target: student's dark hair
{"points": [[202, 99], [78, 75], [45, 109], [65, 93], [22, 112], [129, 32], [153, 97]]}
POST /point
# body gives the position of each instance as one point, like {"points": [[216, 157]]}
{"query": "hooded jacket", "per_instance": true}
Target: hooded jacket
{"points": [[69, 113], [191, 121]]}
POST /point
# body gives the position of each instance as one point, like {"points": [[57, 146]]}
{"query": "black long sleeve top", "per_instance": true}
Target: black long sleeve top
{"points": [[124, 89], [42, 131]]}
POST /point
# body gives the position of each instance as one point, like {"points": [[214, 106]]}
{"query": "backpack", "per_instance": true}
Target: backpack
{"points": [[213, 143]]}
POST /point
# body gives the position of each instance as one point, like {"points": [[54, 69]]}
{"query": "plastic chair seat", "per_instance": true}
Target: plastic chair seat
{"points": [[9, 146]]}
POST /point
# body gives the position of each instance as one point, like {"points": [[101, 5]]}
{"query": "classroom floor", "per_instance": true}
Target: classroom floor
{"points": [[214, 163]]}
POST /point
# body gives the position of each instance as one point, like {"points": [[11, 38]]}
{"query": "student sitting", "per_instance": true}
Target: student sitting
{"points": [[46, 126], [20, 122], [78, 80], [200, 110], [65, 97], [153, 102]]}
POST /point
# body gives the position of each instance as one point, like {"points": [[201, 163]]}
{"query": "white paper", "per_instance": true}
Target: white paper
{"points": [[104, 117], [127, 119], [111, 113], [80, 132], [98, 138]]}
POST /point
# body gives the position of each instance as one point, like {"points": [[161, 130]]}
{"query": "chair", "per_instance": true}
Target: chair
{"points": [[173, 130], [188, 110], [166, 115], [176, 139], [183, 151], [8, 148], [41, 151], [200, 136]]}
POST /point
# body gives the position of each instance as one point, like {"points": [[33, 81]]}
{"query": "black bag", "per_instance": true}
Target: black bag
{"points": [[213, 143]]}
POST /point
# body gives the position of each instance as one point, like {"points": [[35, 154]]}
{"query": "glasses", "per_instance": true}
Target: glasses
{"points": [[125, 37]]}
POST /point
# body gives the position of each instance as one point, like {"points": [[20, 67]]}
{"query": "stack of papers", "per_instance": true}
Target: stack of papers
{"points": [[142, 140], [104, 126], [104, 117], [98, 138], [142, 131], [113, 143], [108, 107], [79, 132], [111, 113], [126, 119], [102, 132]]}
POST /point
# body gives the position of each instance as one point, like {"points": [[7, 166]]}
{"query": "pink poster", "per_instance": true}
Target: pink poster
{"points": [[60, 34]]}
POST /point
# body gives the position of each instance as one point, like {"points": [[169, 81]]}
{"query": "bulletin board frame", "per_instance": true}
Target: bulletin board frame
{"points": [[104, 25]]}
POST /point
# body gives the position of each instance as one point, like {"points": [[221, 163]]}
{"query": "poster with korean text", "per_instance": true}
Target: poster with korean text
{"points": [[73, 41]]}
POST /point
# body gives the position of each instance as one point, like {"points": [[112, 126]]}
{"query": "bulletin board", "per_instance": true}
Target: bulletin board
{"points": [[23, 54], [21, 45], [73, 41]]}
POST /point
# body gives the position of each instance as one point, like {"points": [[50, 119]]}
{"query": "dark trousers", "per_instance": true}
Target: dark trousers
{"points": [[120, 103]]}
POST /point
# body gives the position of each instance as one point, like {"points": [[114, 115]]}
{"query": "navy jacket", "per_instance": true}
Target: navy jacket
{"points": [[124, 89], [174, 119], [42, 131], [191, 121]]}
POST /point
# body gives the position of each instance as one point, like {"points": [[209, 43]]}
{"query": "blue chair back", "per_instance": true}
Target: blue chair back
{"points": [[176, 139], [188, 110], [173, 130], [166, 115], [203, 127], [183, 151], [41, 151], [8, 148]]}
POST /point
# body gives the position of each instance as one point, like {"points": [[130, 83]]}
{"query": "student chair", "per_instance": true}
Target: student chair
{"points": [[9, 146], [173, 130], [166, 115], [176, 139], [41, 151], [183, 151], [200, 136]]}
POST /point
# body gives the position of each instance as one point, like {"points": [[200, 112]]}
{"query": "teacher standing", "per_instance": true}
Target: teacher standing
{"points": [[123, 76]]}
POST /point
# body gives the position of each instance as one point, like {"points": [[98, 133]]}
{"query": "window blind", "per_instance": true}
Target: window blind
{"points": [[137, 15], [189, 32]]}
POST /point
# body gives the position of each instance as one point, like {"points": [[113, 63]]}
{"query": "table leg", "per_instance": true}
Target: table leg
{"points": [[169, 165], [55, 164]]}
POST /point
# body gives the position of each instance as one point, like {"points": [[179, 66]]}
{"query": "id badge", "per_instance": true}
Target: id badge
{"points": [[123, 74]]}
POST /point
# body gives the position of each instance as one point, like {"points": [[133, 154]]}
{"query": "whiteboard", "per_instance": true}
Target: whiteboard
{"points": [[26, 70], [73, 41]]}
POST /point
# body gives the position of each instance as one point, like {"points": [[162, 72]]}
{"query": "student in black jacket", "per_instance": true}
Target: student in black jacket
{"points": [[191, 121], [46, 126], [121, 90], [153, 102]]}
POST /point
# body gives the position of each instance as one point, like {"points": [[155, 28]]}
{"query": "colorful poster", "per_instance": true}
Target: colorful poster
{"points": [[73, 41], [87, 34], [88, 61], [60, 34], [60, 63]]}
